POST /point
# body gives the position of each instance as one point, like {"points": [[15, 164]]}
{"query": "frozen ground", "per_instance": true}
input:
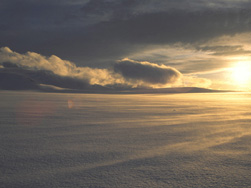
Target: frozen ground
{"points": [[95, 140]]}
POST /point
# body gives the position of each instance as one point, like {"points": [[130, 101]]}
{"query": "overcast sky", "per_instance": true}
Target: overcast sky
{"points": [[202, 40]]}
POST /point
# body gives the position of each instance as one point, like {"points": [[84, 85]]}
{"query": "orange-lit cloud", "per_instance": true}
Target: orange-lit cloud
{"points": [[192, 81], [55, 71]]}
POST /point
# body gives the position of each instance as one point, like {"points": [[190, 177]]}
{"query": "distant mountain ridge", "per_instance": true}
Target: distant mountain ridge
{"points": [[14, 81], [175, 90], [44, 81]]}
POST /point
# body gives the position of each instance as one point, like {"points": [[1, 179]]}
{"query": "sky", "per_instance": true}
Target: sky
{"points": [[129, 43]]}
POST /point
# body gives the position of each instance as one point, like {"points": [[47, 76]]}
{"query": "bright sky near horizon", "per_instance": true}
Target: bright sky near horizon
{"points": [[130, 43]]}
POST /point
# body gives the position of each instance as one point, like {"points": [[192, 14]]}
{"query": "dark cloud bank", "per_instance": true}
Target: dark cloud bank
{"points": [[33, 71], [147, 72], [93, 33]]}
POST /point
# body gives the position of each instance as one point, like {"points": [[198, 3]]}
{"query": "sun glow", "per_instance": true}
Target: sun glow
{"points": [[241, 73]]}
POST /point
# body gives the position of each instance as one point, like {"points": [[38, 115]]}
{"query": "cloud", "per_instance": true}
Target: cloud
{"points": [[116, 8], [97, 32], [225, 50], [35, 61], [31, 69], [193, 81], [53, 66], [62, 73], [146, 72], [185, 58]]}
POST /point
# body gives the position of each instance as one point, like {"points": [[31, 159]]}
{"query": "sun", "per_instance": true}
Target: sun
{"points": [[241, 73]]}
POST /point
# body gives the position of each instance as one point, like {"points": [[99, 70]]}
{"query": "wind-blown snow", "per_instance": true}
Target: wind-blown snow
{"points": [[97, 140]]}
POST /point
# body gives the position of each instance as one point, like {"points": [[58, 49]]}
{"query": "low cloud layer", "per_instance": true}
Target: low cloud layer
{"points": [[54, 66], [65, 74]]}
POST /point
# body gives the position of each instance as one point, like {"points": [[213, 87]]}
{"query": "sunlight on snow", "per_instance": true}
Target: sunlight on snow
{"points": [[102, 140]]}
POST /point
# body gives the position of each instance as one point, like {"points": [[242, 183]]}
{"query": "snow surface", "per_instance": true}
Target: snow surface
{"points": [[102, 140]]}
